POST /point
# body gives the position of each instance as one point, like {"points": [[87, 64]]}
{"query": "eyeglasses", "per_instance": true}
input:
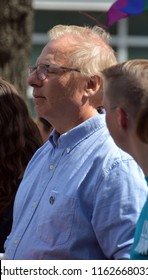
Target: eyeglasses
{"points": [[42, 70]]}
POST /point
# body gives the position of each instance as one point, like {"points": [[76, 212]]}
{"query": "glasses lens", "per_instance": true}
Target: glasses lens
{"points": [[42, 72]]}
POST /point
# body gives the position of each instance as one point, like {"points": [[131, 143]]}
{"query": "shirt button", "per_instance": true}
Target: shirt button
{"points": [[33, 204], [16, 242], [68, 150], [51, 167], [51, 200]]}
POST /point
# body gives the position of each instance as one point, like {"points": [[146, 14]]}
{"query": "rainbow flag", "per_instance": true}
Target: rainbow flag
{"points": [[124, 8]]}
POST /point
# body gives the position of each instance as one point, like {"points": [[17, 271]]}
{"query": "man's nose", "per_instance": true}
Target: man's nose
{"points": [[33, 80]]}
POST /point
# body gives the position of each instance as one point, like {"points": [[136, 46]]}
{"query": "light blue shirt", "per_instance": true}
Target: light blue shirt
{"points": [[80, 198]]}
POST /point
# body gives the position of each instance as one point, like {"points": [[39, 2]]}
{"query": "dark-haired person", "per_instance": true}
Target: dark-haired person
{"points": [[19, 139]]}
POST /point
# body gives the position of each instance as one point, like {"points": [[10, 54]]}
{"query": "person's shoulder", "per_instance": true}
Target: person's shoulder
{"points": [[122, 154], [114, 158], [118, 156], [39, 156], [127, 166], [42, 150]]}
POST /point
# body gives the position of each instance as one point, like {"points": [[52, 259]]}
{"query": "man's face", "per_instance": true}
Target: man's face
{"points": [[60, 93]]}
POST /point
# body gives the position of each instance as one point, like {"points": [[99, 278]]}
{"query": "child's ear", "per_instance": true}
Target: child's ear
{"points": [[121, 118]]}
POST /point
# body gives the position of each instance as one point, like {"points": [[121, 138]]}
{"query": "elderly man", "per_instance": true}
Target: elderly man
{"points": [[81, 195]]}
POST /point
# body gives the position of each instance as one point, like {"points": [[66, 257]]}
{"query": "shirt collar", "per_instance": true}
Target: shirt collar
{"points": [[78, 133]]}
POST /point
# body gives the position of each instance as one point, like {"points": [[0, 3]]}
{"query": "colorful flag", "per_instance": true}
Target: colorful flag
{"points": [[124, 8]]}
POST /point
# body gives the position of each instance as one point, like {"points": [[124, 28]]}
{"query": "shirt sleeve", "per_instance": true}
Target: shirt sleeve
{"points": [[118, 202]]}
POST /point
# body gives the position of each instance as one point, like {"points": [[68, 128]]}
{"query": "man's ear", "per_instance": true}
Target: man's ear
{"points": [[122, 119], [93, 85]]}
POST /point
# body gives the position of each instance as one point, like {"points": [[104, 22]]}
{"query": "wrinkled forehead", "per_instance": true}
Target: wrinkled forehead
{"points": [[57, 50]]}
